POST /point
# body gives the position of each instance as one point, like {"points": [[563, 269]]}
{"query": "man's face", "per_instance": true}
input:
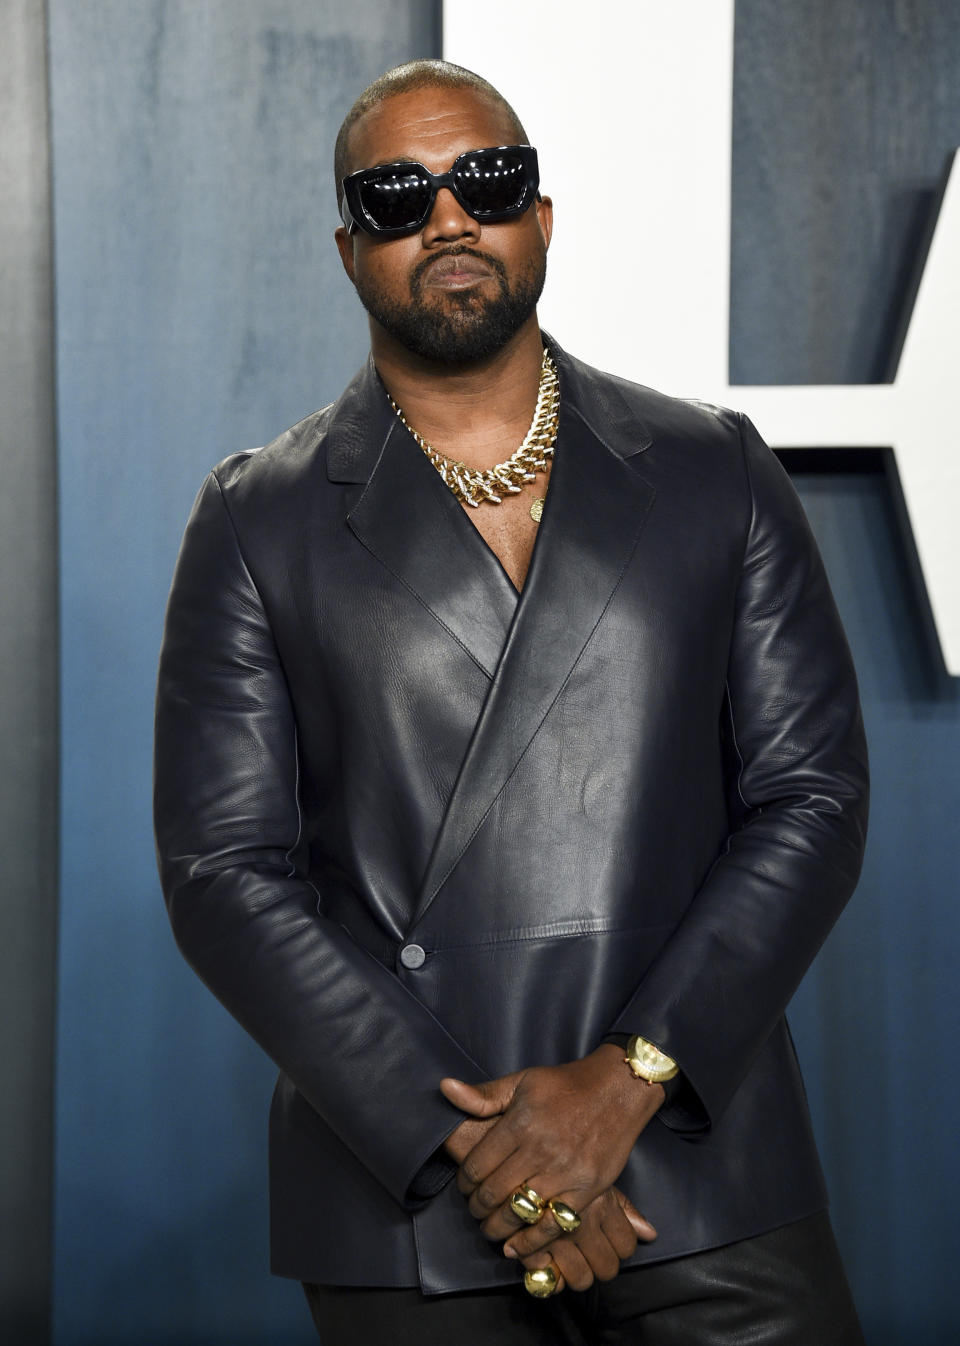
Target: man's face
{"points": [[457, 291]]}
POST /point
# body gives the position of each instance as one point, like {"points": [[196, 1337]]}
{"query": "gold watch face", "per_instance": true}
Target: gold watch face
{"points": [[648, 1062]]}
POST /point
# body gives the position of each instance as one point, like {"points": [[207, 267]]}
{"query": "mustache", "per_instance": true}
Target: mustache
{"points": [[457, 250]]}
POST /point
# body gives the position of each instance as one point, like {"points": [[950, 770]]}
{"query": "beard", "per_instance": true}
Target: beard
{"points": [[463, 325]]}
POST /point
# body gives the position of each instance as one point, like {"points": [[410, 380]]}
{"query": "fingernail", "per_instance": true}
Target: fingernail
{"points": [[509, 1252]]}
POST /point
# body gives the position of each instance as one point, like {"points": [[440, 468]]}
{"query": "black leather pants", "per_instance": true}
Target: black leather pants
{"points": [[785, 1288]]}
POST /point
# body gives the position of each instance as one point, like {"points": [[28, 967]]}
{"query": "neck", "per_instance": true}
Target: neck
{"points": [[477, 413]]}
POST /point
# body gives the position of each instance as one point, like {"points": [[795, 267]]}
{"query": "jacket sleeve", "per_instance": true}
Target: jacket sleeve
{"points": [[366, 1053], [723, 980]]}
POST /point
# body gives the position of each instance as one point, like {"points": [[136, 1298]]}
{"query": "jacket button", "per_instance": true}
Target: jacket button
{"points": [[412, 956]]}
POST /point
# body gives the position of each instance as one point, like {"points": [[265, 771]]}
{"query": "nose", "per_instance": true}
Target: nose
{"points": [[448, 221]]}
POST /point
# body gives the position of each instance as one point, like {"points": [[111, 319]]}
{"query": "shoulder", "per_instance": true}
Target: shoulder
{"points": [[287, 459], [632, 417], [705, 455]]}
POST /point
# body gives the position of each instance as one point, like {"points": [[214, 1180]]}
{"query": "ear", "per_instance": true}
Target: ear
{"points": [[545, 218], [344, 242]]}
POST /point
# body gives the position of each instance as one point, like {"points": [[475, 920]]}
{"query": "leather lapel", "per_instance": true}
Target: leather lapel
{"points": [[595, 510], [411, 522]]}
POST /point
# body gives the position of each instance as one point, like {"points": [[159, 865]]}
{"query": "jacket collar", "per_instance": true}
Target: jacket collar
{"points": [[362, 419], [598, 402], [360, 423]]}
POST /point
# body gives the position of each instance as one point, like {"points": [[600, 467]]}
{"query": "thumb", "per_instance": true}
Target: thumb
{"points": [[641, 1225], [480, 1100]]}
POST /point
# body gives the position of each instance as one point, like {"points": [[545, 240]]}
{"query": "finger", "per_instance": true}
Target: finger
{"points": [[502, 1224], [463, 1138], [543, 1260], [546, 1230], [620, 1232], [489, 1153], [483, 1164], [491, 1200], [480, 1100], [574, 1268], [533, 1238], [642, 1227], [595, 1246]]}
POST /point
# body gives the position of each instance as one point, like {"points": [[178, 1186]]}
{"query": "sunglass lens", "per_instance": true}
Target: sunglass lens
{"points": [[396, 200], [491, 181]]}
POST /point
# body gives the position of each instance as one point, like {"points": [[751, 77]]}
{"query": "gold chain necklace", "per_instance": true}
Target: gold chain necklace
{"points": [[509, 477]]}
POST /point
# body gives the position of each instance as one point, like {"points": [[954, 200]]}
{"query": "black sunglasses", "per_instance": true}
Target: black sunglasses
{"points": [[392, 199]]}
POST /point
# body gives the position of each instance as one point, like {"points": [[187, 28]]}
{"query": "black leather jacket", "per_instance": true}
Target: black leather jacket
{"points": [[411, 825]]}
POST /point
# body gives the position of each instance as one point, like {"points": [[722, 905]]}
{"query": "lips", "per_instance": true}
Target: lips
{"points": [[453, 270]]}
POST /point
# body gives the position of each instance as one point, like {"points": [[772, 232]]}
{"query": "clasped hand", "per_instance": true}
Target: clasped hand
{"points": [[566, 1131]]}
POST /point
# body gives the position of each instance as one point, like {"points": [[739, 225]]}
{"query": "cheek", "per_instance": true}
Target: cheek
{"points": [[387, 267], [527, 262]]}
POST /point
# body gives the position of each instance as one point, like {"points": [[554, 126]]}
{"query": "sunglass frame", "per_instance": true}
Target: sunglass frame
{"points": [[355, 215]]}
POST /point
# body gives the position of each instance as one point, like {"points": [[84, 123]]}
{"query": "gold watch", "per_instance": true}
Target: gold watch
{"points": [[649, 1063]]}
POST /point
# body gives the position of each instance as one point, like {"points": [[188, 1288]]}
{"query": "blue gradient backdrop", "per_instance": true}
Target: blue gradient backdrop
{"points": [[200, 309]]}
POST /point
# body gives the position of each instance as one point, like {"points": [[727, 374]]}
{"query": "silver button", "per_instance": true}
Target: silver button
{"points": [[412, 956]]}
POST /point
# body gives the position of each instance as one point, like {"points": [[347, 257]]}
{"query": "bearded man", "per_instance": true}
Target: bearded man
{"points": [[504, 795]]}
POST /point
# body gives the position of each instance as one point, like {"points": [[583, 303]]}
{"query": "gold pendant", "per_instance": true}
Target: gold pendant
{"points": [[536, 511]]}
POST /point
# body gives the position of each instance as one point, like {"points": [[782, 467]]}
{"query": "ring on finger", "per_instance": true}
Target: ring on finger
{"points": [[527, 1205], [541, 1283], [565, 1216]]}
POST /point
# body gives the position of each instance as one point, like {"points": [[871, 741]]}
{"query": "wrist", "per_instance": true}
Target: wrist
{"points": [[641, 1096]]}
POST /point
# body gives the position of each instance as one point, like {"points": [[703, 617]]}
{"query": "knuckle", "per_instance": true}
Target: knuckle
{"points": [[521, 1123], [486, 1199], [540, 1237], [477, 1211], [469, 1171]]}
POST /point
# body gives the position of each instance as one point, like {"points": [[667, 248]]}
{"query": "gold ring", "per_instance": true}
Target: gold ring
{"points": [[528, 1205], [541, 1283], [565, 1216]]}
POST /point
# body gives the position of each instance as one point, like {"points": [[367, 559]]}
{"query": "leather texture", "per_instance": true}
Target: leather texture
{"points": [[644, 777], [783, 1288]]}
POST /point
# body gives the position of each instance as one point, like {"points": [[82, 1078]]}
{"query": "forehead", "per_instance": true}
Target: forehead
{"points": [[430, 125]]}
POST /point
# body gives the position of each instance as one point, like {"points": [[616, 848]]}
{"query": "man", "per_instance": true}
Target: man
{"points": [[508, 829]]}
